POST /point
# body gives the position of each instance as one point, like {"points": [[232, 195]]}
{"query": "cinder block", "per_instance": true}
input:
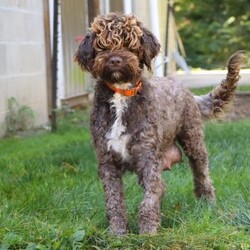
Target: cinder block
{"points": [[22, 52], [3, 94], [6, 3], [6, 25], [3, 58], [2, 123], [19, 4], [33, 31], [17, 32]]}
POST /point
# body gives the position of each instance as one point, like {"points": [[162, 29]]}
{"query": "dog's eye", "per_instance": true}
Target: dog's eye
{"points": [[102, 50]]}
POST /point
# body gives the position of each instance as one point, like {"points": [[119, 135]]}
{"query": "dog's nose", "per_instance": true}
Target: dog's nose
{"points": [[115, 60]]}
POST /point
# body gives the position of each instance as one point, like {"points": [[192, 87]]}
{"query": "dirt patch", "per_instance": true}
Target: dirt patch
{"points": [[241, 109]]}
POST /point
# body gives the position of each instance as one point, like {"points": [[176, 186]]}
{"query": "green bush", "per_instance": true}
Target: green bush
{"points": [[19, 117], [212, 30]]}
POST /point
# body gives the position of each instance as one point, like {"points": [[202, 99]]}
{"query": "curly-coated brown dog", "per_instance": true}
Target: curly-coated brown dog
{"points": [[135, 122]]}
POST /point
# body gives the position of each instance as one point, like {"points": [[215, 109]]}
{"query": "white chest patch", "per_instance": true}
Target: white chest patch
{"points": [[116, 137]]}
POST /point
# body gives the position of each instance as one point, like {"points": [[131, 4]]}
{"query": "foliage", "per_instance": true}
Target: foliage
{"points": [[51, 197], [212, 30], [19, 117]]}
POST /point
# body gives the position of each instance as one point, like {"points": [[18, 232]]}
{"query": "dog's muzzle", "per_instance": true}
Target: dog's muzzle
{"points": [[115, 61]]}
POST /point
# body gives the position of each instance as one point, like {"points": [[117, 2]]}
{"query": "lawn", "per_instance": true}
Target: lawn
{"points": [[51, 197], [205, 90]]}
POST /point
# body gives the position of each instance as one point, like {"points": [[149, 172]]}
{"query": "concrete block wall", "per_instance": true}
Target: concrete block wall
{"points": [[22, 57]]}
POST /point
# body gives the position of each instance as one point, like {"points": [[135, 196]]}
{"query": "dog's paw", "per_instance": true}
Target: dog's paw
{"points": [[206, 193], [118, 232]]}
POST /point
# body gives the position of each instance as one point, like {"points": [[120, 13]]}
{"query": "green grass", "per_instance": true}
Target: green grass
{"points": [[51, 197], [205, 90]]}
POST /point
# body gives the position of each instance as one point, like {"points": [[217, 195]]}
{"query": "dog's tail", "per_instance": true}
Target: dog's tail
{"points": [[218, 102]]}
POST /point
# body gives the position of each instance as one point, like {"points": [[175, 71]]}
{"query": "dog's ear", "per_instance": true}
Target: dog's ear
{"points": [[150, 47], [85, 53]]}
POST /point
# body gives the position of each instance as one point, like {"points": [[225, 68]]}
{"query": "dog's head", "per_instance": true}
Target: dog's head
{"points": [[116, 48]]}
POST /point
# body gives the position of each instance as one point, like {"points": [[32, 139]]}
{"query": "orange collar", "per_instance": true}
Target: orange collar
{"points": [[126, 92]]}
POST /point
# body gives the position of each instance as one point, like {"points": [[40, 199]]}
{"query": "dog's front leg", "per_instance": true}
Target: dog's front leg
{"points": [[153, 188], [113, 190]]}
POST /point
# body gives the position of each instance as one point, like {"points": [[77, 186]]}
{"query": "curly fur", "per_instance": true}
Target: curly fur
{"points": [[136, 132], [219, 101], [115, 32]]}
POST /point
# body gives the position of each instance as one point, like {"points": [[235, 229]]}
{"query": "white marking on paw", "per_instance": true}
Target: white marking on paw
{"points": [[117, 139]]}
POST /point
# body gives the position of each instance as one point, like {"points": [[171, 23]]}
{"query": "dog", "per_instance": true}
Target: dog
{"points": [[136, 122]]}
